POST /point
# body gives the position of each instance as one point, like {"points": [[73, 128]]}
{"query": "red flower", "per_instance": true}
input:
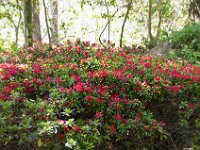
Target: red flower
{"points": [[129, 75], [78, 87], [5, 77], [116, 99], [112, 129], [89, 98], [150, 128], [99, 100], [123, 121], [41, 110], [76, 78], [98, 114], [117, 116], [102, 90], [116, 107], [35, 80], [148, 65], [141, 114], [76, 128], [155, 123], [88, 88], [103, 73], [60, 136], [174, 89], [6, 90], [125, 101], [191, 106], [157, 79], [66, 129], [87, 122], [21, 70], [36, 68]]}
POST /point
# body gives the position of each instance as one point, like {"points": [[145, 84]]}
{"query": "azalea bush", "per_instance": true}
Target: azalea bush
{"points": [[82, 96]]}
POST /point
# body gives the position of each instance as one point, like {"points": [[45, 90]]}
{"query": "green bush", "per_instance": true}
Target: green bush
{"points": [[187, 43], [80, 96], [189, 36]]}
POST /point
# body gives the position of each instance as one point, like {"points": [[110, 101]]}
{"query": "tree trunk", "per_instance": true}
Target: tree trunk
{"points": [[28, 23], [149, 22], [159, 25], [46, 21], [54, 13], [124, 22], [36, 19]]}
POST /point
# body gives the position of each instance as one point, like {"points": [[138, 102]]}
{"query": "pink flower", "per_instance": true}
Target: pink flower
{"points": [[58, 80], [137, 119], [60, 122], [49, 79]]}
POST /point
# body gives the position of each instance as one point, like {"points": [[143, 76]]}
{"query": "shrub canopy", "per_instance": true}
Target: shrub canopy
{"points": [[81, 96]]}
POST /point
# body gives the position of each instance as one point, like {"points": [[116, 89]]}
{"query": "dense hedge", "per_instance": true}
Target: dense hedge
{"points": [[81, 96]]}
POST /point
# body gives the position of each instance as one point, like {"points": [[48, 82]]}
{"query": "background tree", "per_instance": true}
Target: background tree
{"points": [[54, 22], [28, 22], [36, 21], [46, 22]]}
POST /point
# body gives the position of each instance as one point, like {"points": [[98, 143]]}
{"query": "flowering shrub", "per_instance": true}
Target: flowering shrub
{"points": [[81, 96]]}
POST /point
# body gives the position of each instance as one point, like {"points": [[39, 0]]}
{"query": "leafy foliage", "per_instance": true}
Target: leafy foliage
{"points": [[186, 41], [188, 36]]}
